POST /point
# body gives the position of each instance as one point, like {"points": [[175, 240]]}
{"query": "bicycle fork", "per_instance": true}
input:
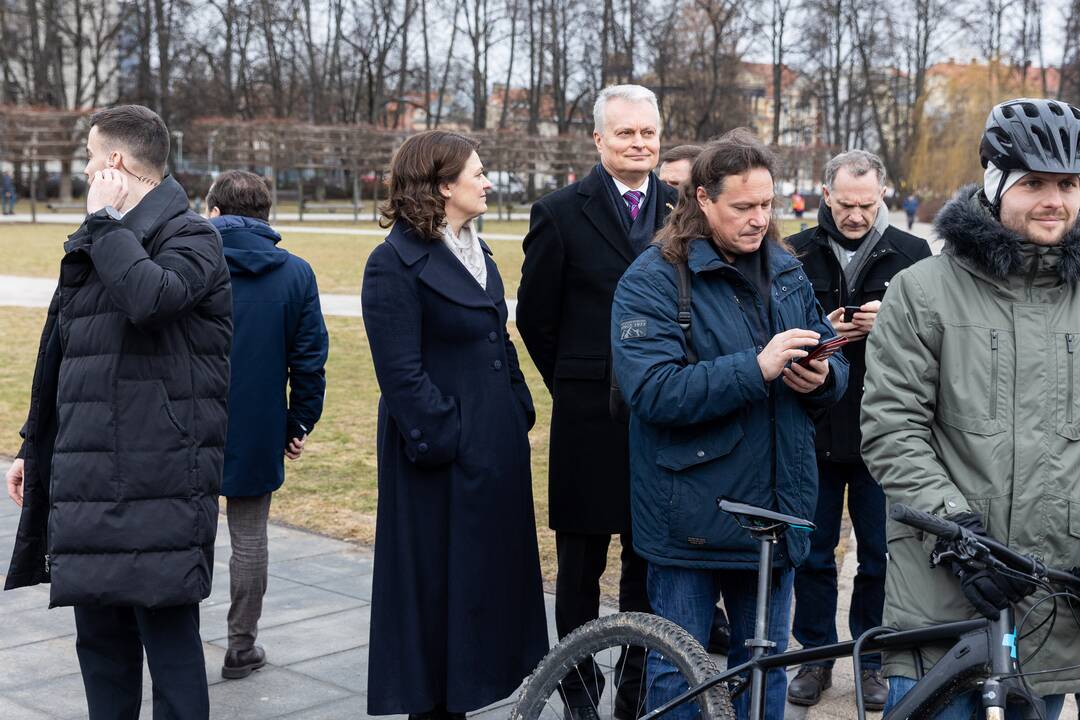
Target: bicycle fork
{"points": [[1004, 671]]}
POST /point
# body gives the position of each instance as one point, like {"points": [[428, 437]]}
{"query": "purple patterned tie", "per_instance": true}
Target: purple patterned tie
{"points": [[633, 199]]}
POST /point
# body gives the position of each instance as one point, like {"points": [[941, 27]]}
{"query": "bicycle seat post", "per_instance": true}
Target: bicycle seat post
{"points": [[760, 642]]}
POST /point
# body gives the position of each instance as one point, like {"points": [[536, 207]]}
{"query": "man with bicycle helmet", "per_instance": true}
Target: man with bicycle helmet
{"points": [[971, 408]]}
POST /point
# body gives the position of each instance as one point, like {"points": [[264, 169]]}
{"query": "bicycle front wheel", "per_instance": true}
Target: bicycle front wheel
{"points": [[592, 660]]}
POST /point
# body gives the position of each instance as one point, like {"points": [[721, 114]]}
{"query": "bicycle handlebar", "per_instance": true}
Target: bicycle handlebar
{"points": [[926, 522], [948, 530]]}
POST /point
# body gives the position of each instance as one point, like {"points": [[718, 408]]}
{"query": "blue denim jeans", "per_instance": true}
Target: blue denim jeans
{"points": [[687, 597], [963, 707], [815, 580]]}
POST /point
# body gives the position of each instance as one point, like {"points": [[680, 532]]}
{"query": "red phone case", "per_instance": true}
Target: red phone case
{"points": [[823, 350]]}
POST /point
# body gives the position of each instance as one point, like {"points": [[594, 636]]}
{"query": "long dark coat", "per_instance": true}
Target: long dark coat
{"points": [[838, 435], [128, 409], [575, 252], [457, 602]]}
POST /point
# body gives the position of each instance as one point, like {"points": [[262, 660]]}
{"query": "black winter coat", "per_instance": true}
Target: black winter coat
{"points": [[279, 337], [457, 608], [838, 435], [575, 252], [135, 352]]}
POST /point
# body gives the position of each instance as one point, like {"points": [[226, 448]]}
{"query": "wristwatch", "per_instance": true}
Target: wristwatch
{"points": [[109, 212]]}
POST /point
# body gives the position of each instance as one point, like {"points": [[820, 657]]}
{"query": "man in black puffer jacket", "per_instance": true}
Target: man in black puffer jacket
{"points": [[121, 464]]}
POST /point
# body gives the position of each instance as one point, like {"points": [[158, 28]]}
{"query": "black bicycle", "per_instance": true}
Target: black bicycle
{"points": [[983, 655]]}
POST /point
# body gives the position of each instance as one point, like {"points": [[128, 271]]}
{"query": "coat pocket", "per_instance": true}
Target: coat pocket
{"points": [[574, 367], [699, 477], [154, 450], [1068, 418], [977, 403]]}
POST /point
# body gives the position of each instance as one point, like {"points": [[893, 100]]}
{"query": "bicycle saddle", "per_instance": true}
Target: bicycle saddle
{"points": [[752, 517]]}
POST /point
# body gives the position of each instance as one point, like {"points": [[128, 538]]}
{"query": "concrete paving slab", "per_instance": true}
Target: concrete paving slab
{"points": [[65, 697], [11, 710], [347, 572], [354, 707], [283, 607], [315, 637], [30, 626], [270, 692]]}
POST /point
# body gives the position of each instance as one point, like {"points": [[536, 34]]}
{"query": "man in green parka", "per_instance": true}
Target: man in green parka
{"points": [[971, 408]]}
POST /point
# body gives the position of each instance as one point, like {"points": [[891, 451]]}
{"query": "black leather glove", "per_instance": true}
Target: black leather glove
{"points": [[988, 590]]}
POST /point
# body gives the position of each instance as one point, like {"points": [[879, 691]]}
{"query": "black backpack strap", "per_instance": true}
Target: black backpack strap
{"points": [[683, 318]]}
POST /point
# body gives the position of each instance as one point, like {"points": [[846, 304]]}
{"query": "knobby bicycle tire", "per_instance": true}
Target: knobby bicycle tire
{"points": [[636, 629]]}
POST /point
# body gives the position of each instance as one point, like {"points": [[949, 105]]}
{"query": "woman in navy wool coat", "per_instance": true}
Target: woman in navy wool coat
{"points": [[457, 617]]}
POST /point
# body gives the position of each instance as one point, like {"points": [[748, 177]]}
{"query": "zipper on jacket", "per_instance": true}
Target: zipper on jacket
{"points": [[1069, 393], [48, 562], [993, 373]]}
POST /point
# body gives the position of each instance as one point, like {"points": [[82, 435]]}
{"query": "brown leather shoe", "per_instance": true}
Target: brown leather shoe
{"points": [[875, 691], [243, 663], [809, 683]]}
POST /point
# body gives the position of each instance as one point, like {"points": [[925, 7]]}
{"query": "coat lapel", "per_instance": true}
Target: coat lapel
{"points": [[601, 214], [443, 272]]}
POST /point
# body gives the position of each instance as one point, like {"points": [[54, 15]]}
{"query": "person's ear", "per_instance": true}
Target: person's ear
{"points": [[215, 212], [114, 160], [825, 195], [444, 190], [702, 197]]}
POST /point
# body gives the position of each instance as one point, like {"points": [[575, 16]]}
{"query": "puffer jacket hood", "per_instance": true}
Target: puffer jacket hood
{"points": [[250, 245], [971, 233]]}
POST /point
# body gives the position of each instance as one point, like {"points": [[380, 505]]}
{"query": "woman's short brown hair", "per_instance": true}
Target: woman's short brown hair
{"points": [[736, 153], [423, 163]]}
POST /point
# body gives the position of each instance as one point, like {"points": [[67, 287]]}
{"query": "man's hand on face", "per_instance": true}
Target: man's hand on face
{"points": [[108, 187], [15, 482]]}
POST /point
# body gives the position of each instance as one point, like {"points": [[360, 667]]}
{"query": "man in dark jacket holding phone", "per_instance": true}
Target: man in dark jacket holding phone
{"points": [[279, 337], [120, 469], [850, 258]]}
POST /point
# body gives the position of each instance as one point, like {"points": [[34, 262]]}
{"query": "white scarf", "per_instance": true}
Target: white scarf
{"points": [[466, 248]]}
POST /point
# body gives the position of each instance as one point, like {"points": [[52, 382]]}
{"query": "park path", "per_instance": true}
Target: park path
{"points": [[20, 291]]}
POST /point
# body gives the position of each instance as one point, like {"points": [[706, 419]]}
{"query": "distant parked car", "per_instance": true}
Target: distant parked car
{"points": [[508, 187]]}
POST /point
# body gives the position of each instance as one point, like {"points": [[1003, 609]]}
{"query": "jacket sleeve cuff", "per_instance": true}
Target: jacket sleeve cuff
{"points": [[748, 375], [21, 455], [431, 449]]}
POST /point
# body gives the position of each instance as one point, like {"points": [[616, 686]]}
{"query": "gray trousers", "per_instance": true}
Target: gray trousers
{"points": [[247, 567]]}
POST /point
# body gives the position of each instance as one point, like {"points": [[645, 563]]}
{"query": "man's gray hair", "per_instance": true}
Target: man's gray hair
{"points": [[629, 93], [858, 163]]}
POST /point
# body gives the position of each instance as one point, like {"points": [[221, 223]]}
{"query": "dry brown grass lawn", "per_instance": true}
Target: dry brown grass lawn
{"points": [[332, 489]]}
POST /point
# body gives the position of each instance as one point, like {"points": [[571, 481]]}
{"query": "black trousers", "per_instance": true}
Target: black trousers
{"points": [[582, 559], [110, 644]]}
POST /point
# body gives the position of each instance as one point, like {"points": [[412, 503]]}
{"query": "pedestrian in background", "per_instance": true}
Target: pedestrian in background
{"points": [[7, 193], [457, 616], [279, 345]]}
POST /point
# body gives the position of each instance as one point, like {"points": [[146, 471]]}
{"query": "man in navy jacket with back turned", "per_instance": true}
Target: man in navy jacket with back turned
{"points": [[279, 337]]}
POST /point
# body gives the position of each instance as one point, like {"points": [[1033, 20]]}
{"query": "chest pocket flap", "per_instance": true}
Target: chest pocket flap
{"points": [[708, 445]]}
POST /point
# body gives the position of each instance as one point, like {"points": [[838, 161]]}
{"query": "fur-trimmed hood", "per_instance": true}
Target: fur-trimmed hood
{"points": [[971, 233]]}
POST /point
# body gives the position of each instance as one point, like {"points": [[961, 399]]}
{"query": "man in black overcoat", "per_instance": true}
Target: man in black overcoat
{"points": [[850, 257], [120, 468], [580, 241]]}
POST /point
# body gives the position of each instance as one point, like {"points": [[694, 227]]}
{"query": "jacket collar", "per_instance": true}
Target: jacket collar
{"points": [[157, 207], [980, 241], [443, 272], [598, 209], [703, 257]]}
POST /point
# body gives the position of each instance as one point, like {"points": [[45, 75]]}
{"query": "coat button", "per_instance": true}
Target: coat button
{"points": [[415, 433], [422, 447], [497, 365], [493, 336], [827, 453], [701, 453], [952, 503], [783, 288]]}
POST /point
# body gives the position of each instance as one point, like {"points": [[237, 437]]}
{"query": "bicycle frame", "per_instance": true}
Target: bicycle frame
{"points": [[977, 655]]}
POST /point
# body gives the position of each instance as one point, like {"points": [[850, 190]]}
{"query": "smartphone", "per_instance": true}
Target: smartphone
{"points": [[849, 312], [823, 351]]}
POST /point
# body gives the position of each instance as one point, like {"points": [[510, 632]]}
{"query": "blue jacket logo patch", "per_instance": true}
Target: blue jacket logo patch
{"points": [[636, 328]]}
